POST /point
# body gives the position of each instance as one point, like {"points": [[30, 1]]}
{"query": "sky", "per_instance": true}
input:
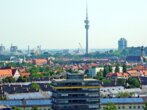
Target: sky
{"points": [[59, 24]]}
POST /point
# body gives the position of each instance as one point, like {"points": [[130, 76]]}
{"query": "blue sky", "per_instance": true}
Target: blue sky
{"points": [[57, 24]]}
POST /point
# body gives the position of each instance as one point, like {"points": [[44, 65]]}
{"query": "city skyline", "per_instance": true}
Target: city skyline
{"points": [[59, 24]]}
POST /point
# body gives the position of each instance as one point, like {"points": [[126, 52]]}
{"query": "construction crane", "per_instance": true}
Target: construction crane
{"points": [[81, 48]]}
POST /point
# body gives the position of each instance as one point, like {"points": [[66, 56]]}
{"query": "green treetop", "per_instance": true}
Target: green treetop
{"points": [[110, 106]]}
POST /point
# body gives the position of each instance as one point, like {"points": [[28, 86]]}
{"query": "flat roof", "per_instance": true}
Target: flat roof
{"points": [[121, 100], [48, 102], [86, 79], [30, 95], [39, 102], [2, 106]]}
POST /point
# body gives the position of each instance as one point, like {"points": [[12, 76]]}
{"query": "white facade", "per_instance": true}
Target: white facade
{"points": [[113, 91], [93, 71], [16, 74], [138, 106]]}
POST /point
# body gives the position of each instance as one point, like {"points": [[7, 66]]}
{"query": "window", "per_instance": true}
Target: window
{"points": [[134, 107], [130, 107], [138, 107], [123, 107], [64, 94], [93, 106]]}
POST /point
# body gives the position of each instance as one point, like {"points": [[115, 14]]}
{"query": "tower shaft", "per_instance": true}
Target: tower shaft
{"points": [[87, 27], [87, 46]]}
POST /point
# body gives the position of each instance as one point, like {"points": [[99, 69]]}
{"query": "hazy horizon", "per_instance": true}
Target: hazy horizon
{"points": [[56, 24]]}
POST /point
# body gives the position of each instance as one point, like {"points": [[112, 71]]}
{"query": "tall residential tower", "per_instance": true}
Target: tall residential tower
{"points": [[122, 43], [86, 27]]}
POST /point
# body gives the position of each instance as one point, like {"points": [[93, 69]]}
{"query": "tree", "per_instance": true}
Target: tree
{"points": [[124, 68], [35, 108], [145, 107], [123, 94], [2, 64], [121, 81], [106, 81], [99, 76], [117, 70], [35, 86], [12, 64], [8, 80], [36, 75], [16, 108], [22, 79], [86, 71], [125, 52], [3, 97], [106, 70], [110, 106], [110, 68], [34, 70], [134, 82]]}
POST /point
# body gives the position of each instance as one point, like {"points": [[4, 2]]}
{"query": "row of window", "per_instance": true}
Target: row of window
{"points": [[38, 109], [77, 84], [111, 90], [130, 107], [78, 95]]}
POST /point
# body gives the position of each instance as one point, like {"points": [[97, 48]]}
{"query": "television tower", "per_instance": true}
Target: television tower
{"points": [[86, 27]]}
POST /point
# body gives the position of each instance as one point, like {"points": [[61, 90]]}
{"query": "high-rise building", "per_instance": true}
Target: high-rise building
{"points": [[122, 43], [75, 93], [142, 51], [13, 49], [86, 27], [28, 52], [2, 48], [142, 56]]}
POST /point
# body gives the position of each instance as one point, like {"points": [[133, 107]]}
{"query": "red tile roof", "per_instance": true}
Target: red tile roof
{"points": [[124, 75], [5, 73], [40, 61], [25, 74]]}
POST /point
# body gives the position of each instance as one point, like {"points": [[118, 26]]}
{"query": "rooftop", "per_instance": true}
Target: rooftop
{"points": [[122, 100], [28, 102], [86, 79], [41, 102]]}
